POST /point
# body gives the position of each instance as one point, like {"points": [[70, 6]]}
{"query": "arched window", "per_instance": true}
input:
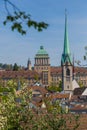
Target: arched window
{"points": [[68, 72]]}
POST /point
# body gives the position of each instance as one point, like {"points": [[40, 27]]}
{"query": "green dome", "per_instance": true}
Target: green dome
{"points": [[42, 52]]}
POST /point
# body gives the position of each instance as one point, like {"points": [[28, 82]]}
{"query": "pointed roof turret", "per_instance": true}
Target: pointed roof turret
{"points": [[29, 61], [29, 67], [66, 56]]}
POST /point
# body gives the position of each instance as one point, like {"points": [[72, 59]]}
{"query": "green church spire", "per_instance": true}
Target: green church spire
{"points": [[66, 40], [66, 56]]}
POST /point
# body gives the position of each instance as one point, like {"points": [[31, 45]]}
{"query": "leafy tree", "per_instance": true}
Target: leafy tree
{"points": [[19, 19], [15, 67], [60, 86], [85, 56], [36, 77], [78, 62], [53, 107], [55, 87], [80, 84], [15, 114]]}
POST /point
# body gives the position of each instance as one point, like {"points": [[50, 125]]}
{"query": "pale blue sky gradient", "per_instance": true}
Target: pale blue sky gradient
{"points": [[17, 48]]}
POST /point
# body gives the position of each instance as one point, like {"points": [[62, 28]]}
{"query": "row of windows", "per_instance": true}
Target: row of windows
{"points": [[45, 77], [55, 78], [41, 61]]}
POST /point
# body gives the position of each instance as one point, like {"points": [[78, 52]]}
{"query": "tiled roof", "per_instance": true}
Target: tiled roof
{"points": [[80, 107], [80, 70], [74, 97], [56, 70], [38, 104], [31, 74], [77, 70], [42, 90], [78, 91], [18, 74], [59, 96]]}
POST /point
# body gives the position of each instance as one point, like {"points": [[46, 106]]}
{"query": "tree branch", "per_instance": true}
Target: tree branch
{"points": [[20, 18]]}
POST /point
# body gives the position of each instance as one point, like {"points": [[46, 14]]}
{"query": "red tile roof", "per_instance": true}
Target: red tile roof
{"points": [[18, 74], [58, 70], [80, 70], [79, 107], [79, 91], [59, 96], [41, 89]]}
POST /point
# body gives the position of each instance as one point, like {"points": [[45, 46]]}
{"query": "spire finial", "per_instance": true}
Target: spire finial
{"points": [[65, 11], [65, 15]]}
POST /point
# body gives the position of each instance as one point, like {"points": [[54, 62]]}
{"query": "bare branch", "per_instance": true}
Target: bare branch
{"points": [[6, 7], [13, 5]]}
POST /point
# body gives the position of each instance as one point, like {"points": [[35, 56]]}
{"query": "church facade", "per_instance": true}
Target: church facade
{"points": [[66, 73], [66, 63], [42, 65]]}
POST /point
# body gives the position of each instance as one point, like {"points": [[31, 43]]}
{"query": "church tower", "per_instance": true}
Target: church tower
{"points": [[66, 63], [29, 66], [42, 65]]}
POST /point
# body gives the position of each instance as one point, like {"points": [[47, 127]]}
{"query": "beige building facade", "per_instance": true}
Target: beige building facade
{"points": [[42, 65]]}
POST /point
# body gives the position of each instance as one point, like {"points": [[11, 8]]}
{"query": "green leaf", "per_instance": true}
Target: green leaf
{"points": [[29, 23], [23, 32], [4, 22], [39, 29]]}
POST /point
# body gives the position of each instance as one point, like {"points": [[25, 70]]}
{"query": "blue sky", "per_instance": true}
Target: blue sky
{"points": [[17, 48]]}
